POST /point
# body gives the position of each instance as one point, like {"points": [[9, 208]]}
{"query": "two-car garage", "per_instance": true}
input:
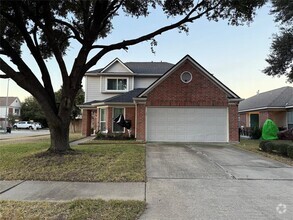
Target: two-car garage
{"points": [[187, 124]]}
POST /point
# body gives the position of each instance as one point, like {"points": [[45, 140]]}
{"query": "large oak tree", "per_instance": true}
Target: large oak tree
{"points": [[47, 28], [280, 60]]}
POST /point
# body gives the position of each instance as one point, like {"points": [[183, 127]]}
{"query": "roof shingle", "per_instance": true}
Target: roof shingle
{"points": [[280, 97], [125, 97], [144, 67], [10, 100]]}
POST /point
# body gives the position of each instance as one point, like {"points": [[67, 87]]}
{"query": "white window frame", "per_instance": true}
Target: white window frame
{"points": [[117, 78], [105, 120], [117, 132]]}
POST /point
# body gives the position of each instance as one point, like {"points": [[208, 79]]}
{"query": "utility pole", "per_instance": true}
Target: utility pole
{"points": [[6, 116]]}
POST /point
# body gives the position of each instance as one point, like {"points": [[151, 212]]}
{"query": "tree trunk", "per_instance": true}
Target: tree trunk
{"points": [[59, 138]]}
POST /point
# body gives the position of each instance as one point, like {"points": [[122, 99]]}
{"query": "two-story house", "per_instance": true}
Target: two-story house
{"points": [[164, 102], [9, 106]]}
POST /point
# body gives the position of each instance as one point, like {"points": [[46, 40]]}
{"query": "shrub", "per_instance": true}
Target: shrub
{"points": [[262, 145], [255, 133], [281, 148], [100, 136], [290, 151], [270, 146]]}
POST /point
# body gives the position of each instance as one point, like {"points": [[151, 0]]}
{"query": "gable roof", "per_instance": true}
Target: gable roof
{"points": [[230, 93], [149, 67], [10, 100], [115, 61], [277, 98], [137, 68]]}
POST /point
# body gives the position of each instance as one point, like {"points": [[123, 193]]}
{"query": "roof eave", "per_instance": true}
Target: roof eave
{"points": [[86, 106], [262, 108], [235, 100], [113, 103]]}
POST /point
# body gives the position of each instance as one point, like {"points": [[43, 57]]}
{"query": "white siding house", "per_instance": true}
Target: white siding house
{"points": [[12, 105]]}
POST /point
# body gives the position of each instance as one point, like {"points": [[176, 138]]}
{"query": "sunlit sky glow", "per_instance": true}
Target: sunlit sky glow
{"points": [[235, 55]]}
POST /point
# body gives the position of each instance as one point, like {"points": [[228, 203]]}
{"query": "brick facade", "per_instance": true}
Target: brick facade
{"points": [[233, 123], [140, 122], [201, 91], [86, 122]]}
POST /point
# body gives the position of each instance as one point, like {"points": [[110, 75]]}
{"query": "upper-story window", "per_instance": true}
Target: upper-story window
{"points": [[117, 84]]}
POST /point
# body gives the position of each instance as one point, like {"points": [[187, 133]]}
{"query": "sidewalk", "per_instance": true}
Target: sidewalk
{"points": [[20, 190], [64, 191]]}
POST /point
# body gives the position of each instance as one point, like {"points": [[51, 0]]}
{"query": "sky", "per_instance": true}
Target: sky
{"points": [[235, 55]]}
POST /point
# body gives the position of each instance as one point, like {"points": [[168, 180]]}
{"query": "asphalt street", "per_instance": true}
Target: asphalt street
{"points": [[200, 181], [21, 133]]}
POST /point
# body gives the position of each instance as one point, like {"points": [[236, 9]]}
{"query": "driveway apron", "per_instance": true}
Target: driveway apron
{"points": [[201, 181]]}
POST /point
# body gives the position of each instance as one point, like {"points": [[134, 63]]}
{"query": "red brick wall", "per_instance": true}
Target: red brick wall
{"points": [[263, 116], [86, 122], [233, 123], [199, 92], [140, 123], [130, 115]]}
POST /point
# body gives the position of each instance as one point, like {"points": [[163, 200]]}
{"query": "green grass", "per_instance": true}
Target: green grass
{"points": [[90, 163], [74, 210], [253, 145]]}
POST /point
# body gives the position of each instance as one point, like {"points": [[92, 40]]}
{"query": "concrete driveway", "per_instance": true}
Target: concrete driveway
{"points": [[200, 181]]}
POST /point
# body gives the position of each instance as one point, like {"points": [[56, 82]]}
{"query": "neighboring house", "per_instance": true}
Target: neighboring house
{"points": [[165, 102], [13, 106], [276, 104]]}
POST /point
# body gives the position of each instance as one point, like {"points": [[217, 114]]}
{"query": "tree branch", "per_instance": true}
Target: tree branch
{"points": [[126, 43], [72, 28], [47, 28], [33, 47], [4, 76]]}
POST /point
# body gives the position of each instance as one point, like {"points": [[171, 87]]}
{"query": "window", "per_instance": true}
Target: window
{"points": [[16, 111], [116, 112], [103, 120], [186, 77], [116, 84]]}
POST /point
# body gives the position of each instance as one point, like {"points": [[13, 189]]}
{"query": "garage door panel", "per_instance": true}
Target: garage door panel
{"points": [[187, 124]]}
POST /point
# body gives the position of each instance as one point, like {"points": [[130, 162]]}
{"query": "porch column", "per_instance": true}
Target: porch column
{"points": [[233, 122], [140, 122], [86, 122]]}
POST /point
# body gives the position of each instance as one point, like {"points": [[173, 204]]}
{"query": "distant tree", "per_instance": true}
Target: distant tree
{"points": [[32, 111], [11, 119], [280, 59], [47, 28]]}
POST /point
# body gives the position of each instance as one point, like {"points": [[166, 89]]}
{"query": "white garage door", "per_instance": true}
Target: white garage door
{"points": [[187, 124]]}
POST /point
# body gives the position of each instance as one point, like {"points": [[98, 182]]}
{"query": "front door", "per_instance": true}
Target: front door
{"points": [[254, 120]]}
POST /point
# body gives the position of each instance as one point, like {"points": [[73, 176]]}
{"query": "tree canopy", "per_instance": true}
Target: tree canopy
{"points": [[47, 29], [280, 59]]}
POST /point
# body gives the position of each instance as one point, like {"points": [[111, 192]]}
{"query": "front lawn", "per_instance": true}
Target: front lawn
{"points": [[90, 163], [253, 145], [78, 209]]}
